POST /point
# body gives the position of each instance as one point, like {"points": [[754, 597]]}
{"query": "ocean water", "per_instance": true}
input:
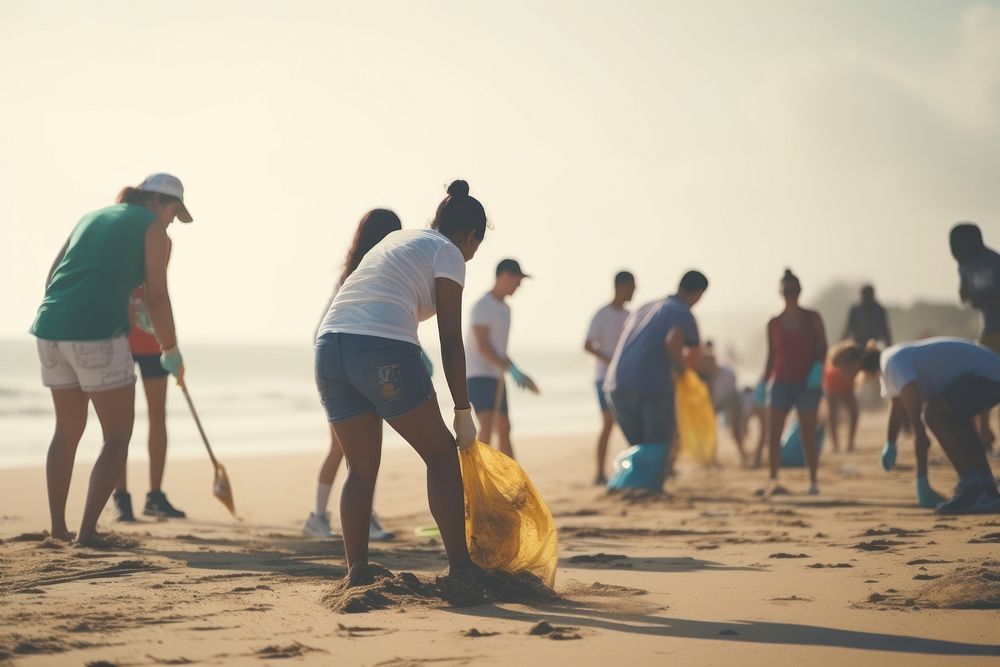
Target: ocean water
{"points": [[256, 400]]}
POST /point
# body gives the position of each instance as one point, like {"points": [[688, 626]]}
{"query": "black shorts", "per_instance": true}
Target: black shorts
{"points": [[972, 394], [483, 394], [150, 367]]}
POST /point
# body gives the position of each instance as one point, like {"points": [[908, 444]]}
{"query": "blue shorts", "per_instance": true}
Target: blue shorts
{"points": [[602, 399], [645, 420], [972, 394], [360, 374], [788, 395], [150, 367], [483, 394]]}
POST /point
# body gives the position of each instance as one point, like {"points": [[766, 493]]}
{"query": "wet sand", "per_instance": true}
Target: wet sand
{"points": [[708, 575]]}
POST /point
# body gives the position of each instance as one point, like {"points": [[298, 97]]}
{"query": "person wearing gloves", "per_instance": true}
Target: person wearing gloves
{"points": [[369, 369], [944, 383], [486, 350], [796, 349], [82, 331]]}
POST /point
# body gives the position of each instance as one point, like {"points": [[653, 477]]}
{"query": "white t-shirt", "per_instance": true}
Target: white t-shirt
{"points": [[935, 363], [392, 290], [605, 330], [495, 315]]}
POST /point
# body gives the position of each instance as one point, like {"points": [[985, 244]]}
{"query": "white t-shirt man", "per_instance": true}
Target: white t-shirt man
{"points": [[493, 314], [605, 330], [934, 364], [392, 290]]}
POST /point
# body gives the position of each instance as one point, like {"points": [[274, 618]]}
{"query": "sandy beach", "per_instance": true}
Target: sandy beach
{"points": [[858, 574]]}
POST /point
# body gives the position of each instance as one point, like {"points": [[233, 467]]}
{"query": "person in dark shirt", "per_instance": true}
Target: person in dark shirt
{"points": [[867, 320], [979, 286]]}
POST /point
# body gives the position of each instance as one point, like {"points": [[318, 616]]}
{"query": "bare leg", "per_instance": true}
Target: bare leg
{"points": [[331, 464], [852, 411], [361, 440], [758, 457], [807, 431], [734, 416], [71, 420], [833, 403], [485, 426], [116, 411], [958, 437], [607, 423], [775, 425], [503, 434], [156, 402], [426, 432]]}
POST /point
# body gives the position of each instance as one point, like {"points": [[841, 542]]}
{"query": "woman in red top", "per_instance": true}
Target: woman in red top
{"points": [[146, 353], [796, 348]]}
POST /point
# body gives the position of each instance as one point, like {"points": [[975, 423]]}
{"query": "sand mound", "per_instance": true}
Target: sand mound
{"points": [[110, 541], [970, 587], [376, 587], [578, 588]]}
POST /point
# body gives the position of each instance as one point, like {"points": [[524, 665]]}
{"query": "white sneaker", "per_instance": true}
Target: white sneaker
{"points": [[813, 490], [377, 533], [318, 525]]}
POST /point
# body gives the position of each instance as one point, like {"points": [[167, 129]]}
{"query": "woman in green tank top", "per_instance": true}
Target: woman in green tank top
{"points": [[82, 328]]}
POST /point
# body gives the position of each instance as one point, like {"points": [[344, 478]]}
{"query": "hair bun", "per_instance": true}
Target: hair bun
{"points": [[789, 274], [458, 188]]}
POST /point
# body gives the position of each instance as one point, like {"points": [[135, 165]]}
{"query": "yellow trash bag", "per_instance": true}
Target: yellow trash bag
{"points": [[696, 427], [507, 524]]}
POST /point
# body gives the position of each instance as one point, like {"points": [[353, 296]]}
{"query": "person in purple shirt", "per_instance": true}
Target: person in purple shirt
{"points": [[640, 377]]}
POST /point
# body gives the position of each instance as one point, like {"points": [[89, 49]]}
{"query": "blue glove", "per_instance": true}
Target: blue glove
{"points": [[520, 378], [427, 363], [760, 394], [926, 496], [889, 455], [173, 363], [815, 378]]}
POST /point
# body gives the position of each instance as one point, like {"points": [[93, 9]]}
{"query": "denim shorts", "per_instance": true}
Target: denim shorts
{"points": [[788, 395], [645, 420], [602, 398], [90, 365], [359, 374], [972, 394], [483, 394]]}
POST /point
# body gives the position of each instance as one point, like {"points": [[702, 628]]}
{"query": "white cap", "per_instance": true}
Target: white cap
{"points": [[165, 184]]}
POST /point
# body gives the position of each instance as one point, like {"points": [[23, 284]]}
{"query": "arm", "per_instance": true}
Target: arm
{"points": [[59, 259], [897, 415], [769, 363], [156, 294], [448, 297], [591, 347], [885, 327], [674, 344], [482, 334], [820, 329], [913, 402]]}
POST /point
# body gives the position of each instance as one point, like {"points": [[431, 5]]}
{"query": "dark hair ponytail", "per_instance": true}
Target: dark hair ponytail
{"points": [[790, 278], [460, 212], [374, 226]]}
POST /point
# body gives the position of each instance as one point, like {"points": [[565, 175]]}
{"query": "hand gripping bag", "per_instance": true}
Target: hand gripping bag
{"points": [[696, 427], [507, 524]]}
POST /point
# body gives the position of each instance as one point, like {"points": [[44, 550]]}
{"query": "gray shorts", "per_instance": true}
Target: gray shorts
{"points": [[90, 365], [645, 420]]}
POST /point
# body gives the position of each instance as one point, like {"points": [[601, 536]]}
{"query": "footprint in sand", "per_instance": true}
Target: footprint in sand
{"points": [[785, 555]]}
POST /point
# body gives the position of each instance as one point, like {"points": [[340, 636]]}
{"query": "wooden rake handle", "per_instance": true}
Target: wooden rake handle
{"points": [[197, 421]]}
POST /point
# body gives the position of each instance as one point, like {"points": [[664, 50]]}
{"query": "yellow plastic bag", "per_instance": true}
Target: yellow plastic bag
{"points": [[696, 427], [507, 524]]}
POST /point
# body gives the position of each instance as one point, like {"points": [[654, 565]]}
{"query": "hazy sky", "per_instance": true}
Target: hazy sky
{"points": [[839, 138]]}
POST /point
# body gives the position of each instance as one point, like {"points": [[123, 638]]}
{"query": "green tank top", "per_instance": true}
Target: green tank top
{"points": [[105, 260]]}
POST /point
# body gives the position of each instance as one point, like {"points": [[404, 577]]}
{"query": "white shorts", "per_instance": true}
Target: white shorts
{"points": [[91, 365]]}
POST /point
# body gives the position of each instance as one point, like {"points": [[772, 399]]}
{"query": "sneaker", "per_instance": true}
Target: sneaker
{"points": [[813, 490], [987, 503], [123, 507], [318, 525], [965, 498], [158, 505], [377, 533]]}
